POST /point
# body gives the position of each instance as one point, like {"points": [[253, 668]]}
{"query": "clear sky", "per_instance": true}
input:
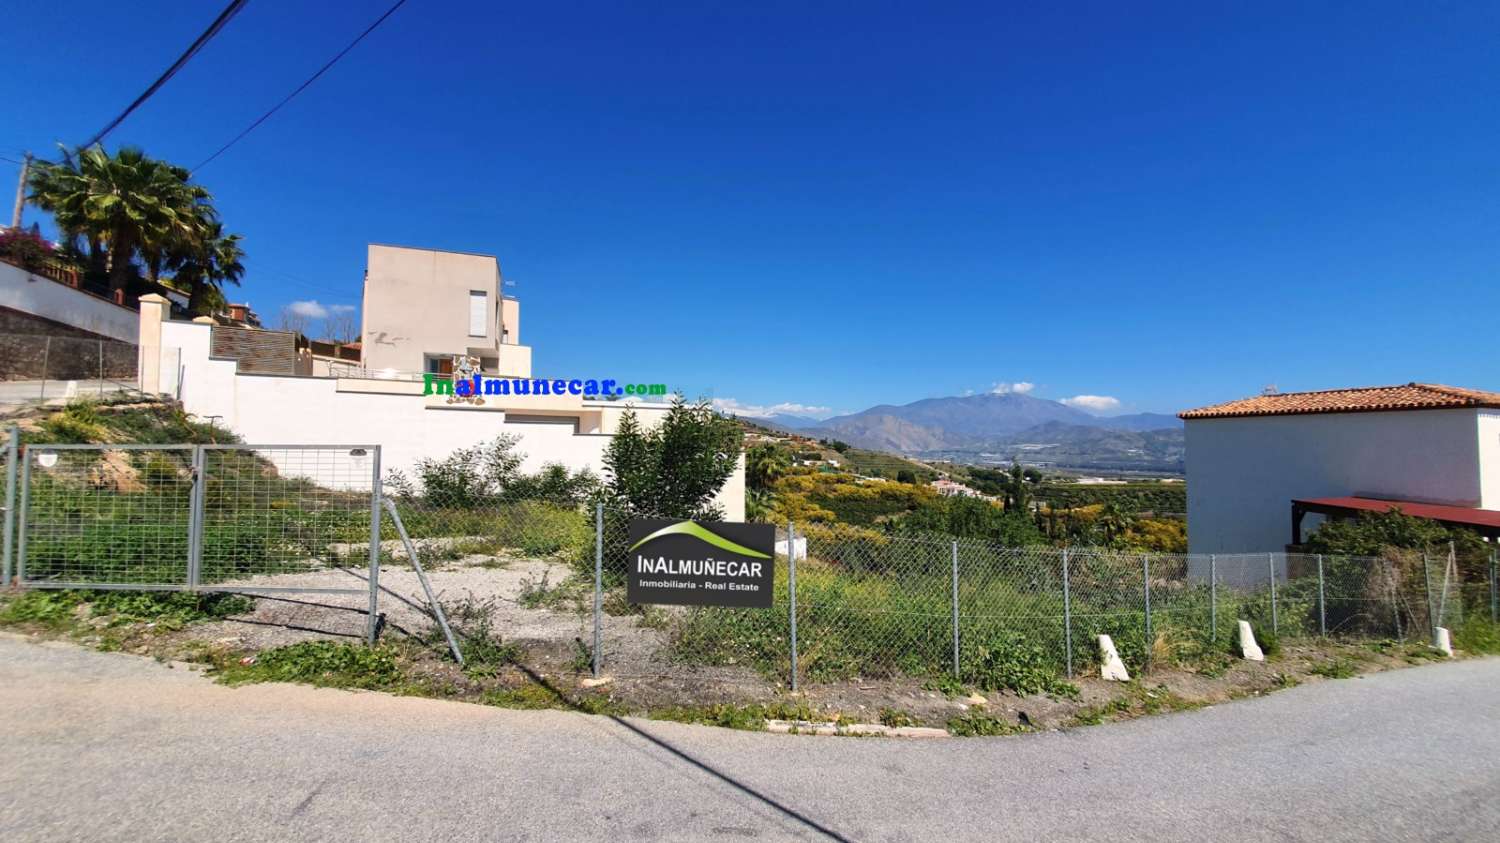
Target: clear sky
{"points": [[837, 205]]}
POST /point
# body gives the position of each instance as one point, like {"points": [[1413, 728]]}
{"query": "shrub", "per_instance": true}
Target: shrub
{"points": [[1008, 662]]}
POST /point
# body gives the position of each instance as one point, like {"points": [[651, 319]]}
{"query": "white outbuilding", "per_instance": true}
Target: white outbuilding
{"points": [[1258, 467]]}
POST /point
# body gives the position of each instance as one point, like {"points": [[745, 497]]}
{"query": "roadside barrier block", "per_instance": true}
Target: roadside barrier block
{"points": [[1443, 641], [1248, 648], [1110, 665]]}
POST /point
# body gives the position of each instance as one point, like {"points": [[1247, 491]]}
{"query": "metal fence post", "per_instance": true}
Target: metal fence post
{"points": [[1395, 604], [1067, 615], [21, 515], [1494, 591], [598, 585], [1432, 623], [1322, 601], [372, 623], [955, 610], [791, 589], [1146, 580], [46, 353], [195, 518], [11, 454], [1271, 562], [1213, 599]]}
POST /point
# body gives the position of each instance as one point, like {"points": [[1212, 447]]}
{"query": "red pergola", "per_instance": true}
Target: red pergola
{"points": [[1486, 522]]}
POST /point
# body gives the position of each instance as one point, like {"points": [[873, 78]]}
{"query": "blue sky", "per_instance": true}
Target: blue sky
{"points": [[837, 205]]}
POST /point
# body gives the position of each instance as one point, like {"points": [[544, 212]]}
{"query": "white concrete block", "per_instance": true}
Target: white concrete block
{"points": [[1248, 648], [1110, 666], [1443, 641]]}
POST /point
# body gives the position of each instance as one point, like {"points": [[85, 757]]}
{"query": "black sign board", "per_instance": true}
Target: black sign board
{"points": [[687, 563]]}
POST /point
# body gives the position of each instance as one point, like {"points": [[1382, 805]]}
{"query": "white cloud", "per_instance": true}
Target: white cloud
{"points": [[1093, 403], [310, 309], [341, 308], [1019, 387], [729, 405]]}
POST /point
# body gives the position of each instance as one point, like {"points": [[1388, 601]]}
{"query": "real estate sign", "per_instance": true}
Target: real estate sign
{"points": [[688, 563]]}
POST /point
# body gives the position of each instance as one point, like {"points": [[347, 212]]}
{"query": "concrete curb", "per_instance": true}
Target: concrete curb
{"points": [[806, 727]]}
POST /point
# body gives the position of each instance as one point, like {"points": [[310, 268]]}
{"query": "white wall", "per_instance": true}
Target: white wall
{"points": [[286, 410], [1489, 459], [20, 290], [1242, 473]]}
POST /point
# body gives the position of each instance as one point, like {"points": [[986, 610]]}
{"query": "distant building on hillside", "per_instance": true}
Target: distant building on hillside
{"points": [[1262, 471], [948, 489]]}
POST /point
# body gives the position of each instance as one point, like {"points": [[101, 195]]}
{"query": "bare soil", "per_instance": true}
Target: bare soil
{"points": [[533, 605]]}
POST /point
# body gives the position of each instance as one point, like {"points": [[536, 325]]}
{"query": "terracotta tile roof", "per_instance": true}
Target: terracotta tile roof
{"points": [[1412, 396]]}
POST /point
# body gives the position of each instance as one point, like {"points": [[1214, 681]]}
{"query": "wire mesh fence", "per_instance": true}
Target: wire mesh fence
{"points": [[202, 517], [544, 565]]}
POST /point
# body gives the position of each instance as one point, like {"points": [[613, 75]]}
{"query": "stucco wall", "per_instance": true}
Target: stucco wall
{"points": [[1489, 459], [20, 290], [271, 410], [1243, 473], [417, 300]]}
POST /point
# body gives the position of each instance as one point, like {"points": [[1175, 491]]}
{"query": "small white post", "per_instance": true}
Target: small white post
{"points": [[1248, 648], [1443, 641], [1110, 666]]}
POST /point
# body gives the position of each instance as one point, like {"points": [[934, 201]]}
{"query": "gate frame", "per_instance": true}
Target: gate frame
{"points": [[192, 573]]}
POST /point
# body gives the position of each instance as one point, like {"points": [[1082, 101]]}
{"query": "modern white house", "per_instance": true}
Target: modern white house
{"points": [[423, 307], [390, 403], [1262, 471]]}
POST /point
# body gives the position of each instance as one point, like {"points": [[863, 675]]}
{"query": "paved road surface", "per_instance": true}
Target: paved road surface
{"points": [[111, 747]]}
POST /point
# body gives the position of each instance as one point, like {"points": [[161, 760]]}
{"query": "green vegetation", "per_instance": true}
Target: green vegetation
{"points": [[335, 664], [976, 723], [128, 220], [1338, 668], [675, 469], [165, 610]]}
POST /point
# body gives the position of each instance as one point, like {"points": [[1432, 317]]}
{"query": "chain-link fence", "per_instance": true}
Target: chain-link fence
{"points": [[542, 565], [248, 518], [37, 368]]}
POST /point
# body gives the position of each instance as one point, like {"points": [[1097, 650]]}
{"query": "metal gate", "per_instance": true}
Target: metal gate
{"points": [[163, 517]]}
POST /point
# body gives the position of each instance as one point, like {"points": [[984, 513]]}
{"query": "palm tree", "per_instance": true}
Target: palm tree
{"points": [[764, 464], [121, 207], [204, 266]]}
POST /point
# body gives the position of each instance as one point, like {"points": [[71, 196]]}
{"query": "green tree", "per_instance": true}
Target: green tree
{"points": [[128, 215], [971, 518], [764, 464], [676, 468], [906, 475]]}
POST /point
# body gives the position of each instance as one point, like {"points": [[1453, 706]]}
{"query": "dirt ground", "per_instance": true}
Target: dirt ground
{"points": [[554, 632]]}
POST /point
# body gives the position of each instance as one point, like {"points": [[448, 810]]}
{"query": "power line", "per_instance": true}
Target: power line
{"points": [[213, 29], [300, 88]]}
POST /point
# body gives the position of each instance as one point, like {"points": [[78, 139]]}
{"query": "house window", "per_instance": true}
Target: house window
{"points": [[479, 308]]}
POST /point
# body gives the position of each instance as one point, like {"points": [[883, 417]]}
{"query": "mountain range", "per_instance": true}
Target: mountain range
{"points": [[999, 428]]}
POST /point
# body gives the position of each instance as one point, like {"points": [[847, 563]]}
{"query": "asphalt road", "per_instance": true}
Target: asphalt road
{"points": [[112, 747]]}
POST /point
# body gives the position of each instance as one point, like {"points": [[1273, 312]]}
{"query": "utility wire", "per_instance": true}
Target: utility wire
{"points": [[213, 29], [300, 88]]}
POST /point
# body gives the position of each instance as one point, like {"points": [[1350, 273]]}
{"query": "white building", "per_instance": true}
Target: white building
{"points": [[1337, 452], [392, 404]]}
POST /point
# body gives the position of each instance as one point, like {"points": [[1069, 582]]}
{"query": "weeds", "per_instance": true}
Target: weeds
{"points": [[335, 664], [1336, 668], [895, 718], [976, 723]]}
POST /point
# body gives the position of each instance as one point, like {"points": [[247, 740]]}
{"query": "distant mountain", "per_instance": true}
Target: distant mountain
{"points": [[785, 421], [990, 428], [1140, 421], [973, 415]]}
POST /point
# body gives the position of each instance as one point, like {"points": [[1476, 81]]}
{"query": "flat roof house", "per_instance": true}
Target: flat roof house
{"points": [[423, 307], [1257, 467]]}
